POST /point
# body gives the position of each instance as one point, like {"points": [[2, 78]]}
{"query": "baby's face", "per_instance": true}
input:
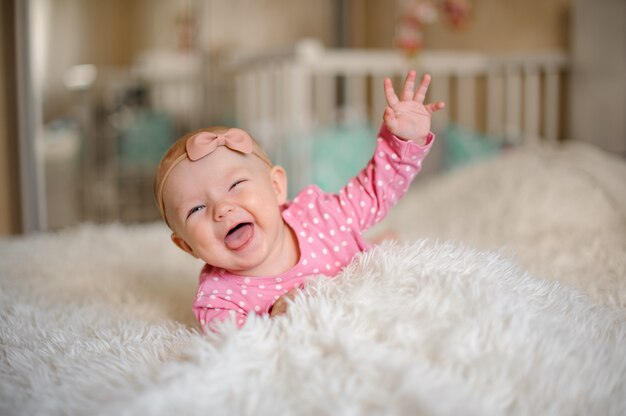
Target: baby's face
{"points": [[225, 209]]}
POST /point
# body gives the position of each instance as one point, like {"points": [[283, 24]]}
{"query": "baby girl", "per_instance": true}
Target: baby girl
{"points": [[226, 203]]}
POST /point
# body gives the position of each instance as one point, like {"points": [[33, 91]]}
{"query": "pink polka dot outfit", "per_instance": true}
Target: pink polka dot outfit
{"points": [[329, 229]]}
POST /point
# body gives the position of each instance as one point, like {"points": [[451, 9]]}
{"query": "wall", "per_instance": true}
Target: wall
{"points": [[494, 25], [83, 32], [598, 84]]}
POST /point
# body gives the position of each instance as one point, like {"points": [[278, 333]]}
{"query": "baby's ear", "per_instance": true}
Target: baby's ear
{"points": [[278, 176], [182, 244]]}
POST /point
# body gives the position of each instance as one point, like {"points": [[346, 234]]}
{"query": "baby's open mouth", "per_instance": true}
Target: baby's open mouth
{"points": [[239, 235]]}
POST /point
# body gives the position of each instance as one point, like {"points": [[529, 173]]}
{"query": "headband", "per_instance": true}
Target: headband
{"points": [[198, 145]]}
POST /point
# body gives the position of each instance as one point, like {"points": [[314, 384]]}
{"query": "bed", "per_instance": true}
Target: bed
{"points": [[505, 293]]}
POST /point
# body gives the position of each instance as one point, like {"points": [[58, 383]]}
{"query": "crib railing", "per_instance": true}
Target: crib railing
{"points": [[284, 96]]}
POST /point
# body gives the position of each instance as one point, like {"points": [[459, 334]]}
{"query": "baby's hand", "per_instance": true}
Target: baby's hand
{"points": [[408, 117], [280, 306]]}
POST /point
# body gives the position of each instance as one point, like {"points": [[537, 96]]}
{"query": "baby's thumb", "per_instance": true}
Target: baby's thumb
{"points": [[389, 117]]}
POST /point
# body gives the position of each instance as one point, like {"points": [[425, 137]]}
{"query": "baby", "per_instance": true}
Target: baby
{"points": [[226, 203]]}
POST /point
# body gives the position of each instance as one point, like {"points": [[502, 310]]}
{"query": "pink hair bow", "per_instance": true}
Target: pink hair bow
{"points": [[204, 143]]}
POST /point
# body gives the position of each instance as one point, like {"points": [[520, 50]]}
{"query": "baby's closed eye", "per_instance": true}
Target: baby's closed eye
{"points": [[237, 182]]}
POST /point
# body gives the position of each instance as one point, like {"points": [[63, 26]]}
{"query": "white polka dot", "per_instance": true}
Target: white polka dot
{"points": [[259, 295], [349, 220], [227, 297], [387, 167], [373, 210], [299, 274], [379, 183], [337, 263], [310, 206], [212, 297], [242, 303], [310, 191], [244, 292], [362, 204], [342, 228], [343, 203], [332, 232], [202, 322], [324, 250], [215, 291], [278, 279], [336, 248], [247, 280], [328, 267], [313, 255], [310, 240], [229, 291], [316, 270], [326, 216], [350, 184], [349, 196], [321, 235], [216, 278], [393, 156], [241, 322], [304, 262], [261, 286], [381, 154], [408, 168], [305, 225], [257, 308], [303, 234], [344, 243], [279, 287], [316, 220]]}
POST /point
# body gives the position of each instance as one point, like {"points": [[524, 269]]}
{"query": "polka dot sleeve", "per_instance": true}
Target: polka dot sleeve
{"points": [[367, 197], [211, 311]]}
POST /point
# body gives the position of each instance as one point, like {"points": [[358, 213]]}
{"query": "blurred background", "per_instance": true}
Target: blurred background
{"points": [[93, 92]]}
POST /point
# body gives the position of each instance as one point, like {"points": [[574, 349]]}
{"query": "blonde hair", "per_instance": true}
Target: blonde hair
{"points": [[178, 152]]}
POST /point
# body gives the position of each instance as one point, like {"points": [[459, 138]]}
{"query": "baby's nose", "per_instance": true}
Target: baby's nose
{"points": [[221, 210]]}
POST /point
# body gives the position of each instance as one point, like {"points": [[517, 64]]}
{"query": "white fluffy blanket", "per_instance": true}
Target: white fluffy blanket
{"points": [[97, 319]]}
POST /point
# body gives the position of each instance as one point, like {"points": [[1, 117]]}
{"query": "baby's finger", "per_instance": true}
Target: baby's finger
{"points": [[409, 85], [431, 108], [420, 94], [390, 94]]}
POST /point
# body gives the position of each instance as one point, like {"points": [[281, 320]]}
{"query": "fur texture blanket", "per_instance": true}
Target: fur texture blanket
{"points": [[494, 309]]}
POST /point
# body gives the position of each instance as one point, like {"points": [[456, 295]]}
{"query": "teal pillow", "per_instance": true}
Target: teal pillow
{"points": [[464, 146], [145, 139], [340, 152]]}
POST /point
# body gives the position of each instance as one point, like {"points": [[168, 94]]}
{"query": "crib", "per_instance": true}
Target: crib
{"points": [[284, 96]]}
